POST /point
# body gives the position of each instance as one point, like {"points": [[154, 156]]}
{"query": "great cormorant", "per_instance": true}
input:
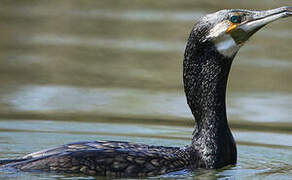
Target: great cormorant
{"points": [[212, 45]]}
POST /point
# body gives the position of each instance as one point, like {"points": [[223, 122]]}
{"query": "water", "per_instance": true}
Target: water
{"points": [[107, 70]]}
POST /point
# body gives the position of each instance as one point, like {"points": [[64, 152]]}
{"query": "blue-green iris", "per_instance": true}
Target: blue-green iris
{"points": [[235, 19]]}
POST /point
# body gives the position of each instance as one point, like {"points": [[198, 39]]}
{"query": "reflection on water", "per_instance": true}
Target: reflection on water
{"points": [[144, 45], [111, 70], [257, 107], [254, 160], [106, 100], [262, 107], [132, 15], [268, 63]]}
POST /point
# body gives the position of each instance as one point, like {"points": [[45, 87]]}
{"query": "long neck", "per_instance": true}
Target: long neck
{"points": [[205, 77]]}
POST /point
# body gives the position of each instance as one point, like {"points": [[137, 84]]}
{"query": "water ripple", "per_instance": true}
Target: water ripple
{"points": [[142, 45], [264, 107], [141, 15]]}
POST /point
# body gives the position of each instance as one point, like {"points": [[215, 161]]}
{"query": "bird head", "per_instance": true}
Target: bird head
{"points": [[229, 29]]}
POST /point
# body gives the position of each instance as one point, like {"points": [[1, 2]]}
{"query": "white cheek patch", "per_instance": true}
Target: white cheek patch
{"points": [[226, 45], [218, 30]]}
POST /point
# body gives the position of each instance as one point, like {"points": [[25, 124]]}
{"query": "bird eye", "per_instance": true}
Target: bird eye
{"points": [[235, 19]]}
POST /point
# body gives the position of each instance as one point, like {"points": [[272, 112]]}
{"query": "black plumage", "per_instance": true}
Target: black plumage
{"points": [[205, 75], [211, 48]]}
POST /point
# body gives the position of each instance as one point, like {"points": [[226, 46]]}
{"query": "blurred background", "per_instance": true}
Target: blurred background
{"points": [[77, 70]]}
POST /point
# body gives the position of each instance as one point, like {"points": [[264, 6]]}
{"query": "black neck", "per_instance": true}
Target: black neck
{"points": [[205, 77]]}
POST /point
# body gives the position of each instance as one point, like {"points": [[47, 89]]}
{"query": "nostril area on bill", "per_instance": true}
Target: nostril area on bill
{"points": [[288, 8]]}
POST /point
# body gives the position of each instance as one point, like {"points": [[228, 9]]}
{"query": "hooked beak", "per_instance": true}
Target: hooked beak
{"points": [[258, 20], [261, 18]]}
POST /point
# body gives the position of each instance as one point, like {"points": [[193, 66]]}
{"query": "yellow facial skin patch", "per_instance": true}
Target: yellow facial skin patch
{"points": [[231, 27]]}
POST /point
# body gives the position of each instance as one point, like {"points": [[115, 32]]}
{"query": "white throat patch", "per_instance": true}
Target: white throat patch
{"points": [[226, 45]]}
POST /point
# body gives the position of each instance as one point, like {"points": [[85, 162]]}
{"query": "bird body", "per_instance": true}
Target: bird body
{"points": [[106, 158], [211, 48]]}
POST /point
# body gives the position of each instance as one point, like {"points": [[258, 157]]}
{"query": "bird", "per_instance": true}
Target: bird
{"points": [[211, 47]]}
